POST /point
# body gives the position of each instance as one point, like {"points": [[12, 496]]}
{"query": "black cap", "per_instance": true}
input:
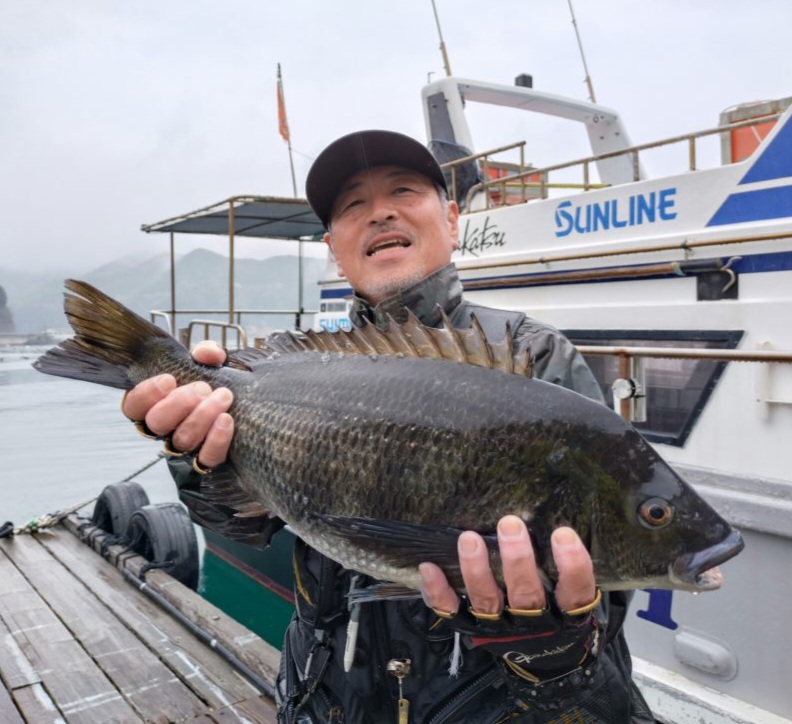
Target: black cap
{"points": [[343, 158]]}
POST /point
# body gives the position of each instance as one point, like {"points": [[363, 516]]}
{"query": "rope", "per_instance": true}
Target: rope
{"points": [[49, 520], [159, 457]]}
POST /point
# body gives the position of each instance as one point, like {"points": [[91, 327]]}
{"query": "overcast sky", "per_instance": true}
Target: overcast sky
{"points": [[114, 114]]}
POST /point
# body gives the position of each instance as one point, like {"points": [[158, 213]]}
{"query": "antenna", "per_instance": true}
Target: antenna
{"points": [[582, 55], [446, 64]]}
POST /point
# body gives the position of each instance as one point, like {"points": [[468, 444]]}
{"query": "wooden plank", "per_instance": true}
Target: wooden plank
{"points": [[80, 689], [259, 710], [36, 706], [201, 668], [15, 670], [250, 648], [253, 711], [9, 714], [247, 646], [145, 682]]}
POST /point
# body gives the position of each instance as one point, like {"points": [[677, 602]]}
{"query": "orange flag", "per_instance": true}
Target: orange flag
{"points": [[283, 124]]}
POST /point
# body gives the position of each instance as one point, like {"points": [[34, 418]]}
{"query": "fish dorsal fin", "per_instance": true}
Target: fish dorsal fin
{"points": [[411, 339], [247, 358]]}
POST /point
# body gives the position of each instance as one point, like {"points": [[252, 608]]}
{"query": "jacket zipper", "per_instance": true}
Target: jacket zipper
{"points": [[461, 697]]}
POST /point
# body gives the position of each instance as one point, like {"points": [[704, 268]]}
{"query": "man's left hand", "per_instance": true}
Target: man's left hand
{"points": [[524, 590]]}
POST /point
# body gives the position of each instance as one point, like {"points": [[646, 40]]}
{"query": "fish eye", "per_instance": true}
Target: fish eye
{"points": [[655, 513]]}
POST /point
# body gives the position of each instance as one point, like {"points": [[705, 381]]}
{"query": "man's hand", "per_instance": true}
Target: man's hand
{"points": [[193, 415], [576, 585], [536, 639]]}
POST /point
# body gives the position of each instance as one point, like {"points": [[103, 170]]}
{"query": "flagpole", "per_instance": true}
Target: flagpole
{"points": [[283, 128]]}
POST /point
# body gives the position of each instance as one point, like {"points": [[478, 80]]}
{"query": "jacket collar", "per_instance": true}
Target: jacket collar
{"points": [[440, 290]]}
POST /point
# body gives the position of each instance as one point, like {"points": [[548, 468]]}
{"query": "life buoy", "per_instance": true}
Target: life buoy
{"points": [[115, 505], [164, 534]]}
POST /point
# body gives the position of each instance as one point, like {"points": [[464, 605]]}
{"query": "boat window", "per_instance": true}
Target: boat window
{"points": [[677, 390], [342, 306]]}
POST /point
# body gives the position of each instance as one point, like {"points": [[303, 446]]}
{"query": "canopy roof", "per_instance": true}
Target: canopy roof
{"points": [[267, 217]]}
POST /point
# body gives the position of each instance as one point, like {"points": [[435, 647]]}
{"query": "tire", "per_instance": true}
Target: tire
{"points": [[116, 504], [164, 533]]}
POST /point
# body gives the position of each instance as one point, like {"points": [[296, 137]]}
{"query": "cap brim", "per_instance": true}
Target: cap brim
{"points": [[362, 150]]}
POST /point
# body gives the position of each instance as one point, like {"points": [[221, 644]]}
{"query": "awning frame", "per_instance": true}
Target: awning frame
{"points": [[266, 217]]}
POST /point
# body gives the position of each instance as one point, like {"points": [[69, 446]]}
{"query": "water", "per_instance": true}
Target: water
{"points": [[62, 441]]}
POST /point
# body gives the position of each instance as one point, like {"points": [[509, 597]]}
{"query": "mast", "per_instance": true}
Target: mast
{"points": [[589, 84], [446, 64]]}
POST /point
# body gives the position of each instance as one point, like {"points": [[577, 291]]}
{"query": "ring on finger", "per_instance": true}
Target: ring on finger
{"points": [[143, 429], [526, 612], [485, 616], [202, 470], [171, 451], [588, 607], [447, 615]]}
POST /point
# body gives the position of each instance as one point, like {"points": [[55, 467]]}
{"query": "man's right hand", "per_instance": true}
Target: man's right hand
{"points": [[193, 415]]}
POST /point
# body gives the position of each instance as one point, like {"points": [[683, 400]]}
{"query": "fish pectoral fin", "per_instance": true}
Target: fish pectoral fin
{"points": [[255, 531], [223, 486], [404, 544], [253, 509]]}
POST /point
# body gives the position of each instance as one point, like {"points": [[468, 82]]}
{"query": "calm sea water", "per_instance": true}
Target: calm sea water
{"points": [[62, 441]]}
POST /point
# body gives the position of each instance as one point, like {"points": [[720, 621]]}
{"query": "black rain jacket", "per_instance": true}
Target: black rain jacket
{"points": [[313, 684]]}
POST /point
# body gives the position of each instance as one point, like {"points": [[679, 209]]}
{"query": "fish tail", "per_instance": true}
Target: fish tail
{"points": [[110, 344]]}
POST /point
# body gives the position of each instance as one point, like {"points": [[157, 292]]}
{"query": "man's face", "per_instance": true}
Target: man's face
{"points": [[389, 230]]}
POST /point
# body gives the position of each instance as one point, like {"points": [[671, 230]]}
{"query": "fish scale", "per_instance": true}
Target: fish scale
{"points": [[379, 447]]}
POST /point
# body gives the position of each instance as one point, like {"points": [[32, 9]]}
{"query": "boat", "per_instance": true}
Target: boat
{"points": [[678, 291]]}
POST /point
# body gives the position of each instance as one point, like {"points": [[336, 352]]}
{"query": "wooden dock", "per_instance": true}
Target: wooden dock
{"points": [[81, 642]]}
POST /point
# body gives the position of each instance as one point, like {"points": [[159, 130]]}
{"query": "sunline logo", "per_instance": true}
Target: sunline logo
{"points": [[635, 210]]}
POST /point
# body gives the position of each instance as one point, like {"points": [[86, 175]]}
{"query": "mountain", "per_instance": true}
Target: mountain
{"points": [[35, 301]]}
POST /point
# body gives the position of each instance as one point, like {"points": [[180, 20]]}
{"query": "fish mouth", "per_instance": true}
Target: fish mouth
{"points": [[699, 571]]}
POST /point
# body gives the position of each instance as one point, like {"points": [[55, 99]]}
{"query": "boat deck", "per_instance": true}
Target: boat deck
{"points": [[82, 640]]}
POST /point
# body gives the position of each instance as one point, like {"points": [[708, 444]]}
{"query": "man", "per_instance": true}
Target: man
{"points": [[519, 654]]}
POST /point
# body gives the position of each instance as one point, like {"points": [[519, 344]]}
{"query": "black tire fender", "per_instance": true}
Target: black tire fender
{"points": [[164, 535], [116, 504]]}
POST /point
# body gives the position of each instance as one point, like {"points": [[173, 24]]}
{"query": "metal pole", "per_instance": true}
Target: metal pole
{"points": [[589, 84], [174, 331], [299, 283], [446, 64], [230, 261], [285, 132], [291, 164], [624, 373]]}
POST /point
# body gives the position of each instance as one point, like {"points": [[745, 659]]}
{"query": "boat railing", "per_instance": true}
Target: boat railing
{"points": [[629, 388], [528, 182], [207, 325], [233, 334]]}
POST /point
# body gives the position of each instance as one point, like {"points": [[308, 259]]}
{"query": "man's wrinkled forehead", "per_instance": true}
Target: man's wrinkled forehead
{"points": [[358, 181]]}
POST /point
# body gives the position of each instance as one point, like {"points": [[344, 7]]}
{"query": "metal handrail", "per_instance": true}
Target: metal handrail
{"points": [[723, 355], [690, 138], [224, 328], [187, 333], [237, 312], [484, 155], [155, 314]]}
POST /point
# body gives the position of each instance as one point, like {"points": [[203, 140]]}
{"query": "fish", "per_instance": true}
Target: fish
{"points": [[378, 447]]}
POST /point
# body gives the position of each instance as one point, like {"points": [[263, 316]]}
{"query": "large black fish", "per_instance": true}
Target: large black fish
{"points": [[379, 448]]}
